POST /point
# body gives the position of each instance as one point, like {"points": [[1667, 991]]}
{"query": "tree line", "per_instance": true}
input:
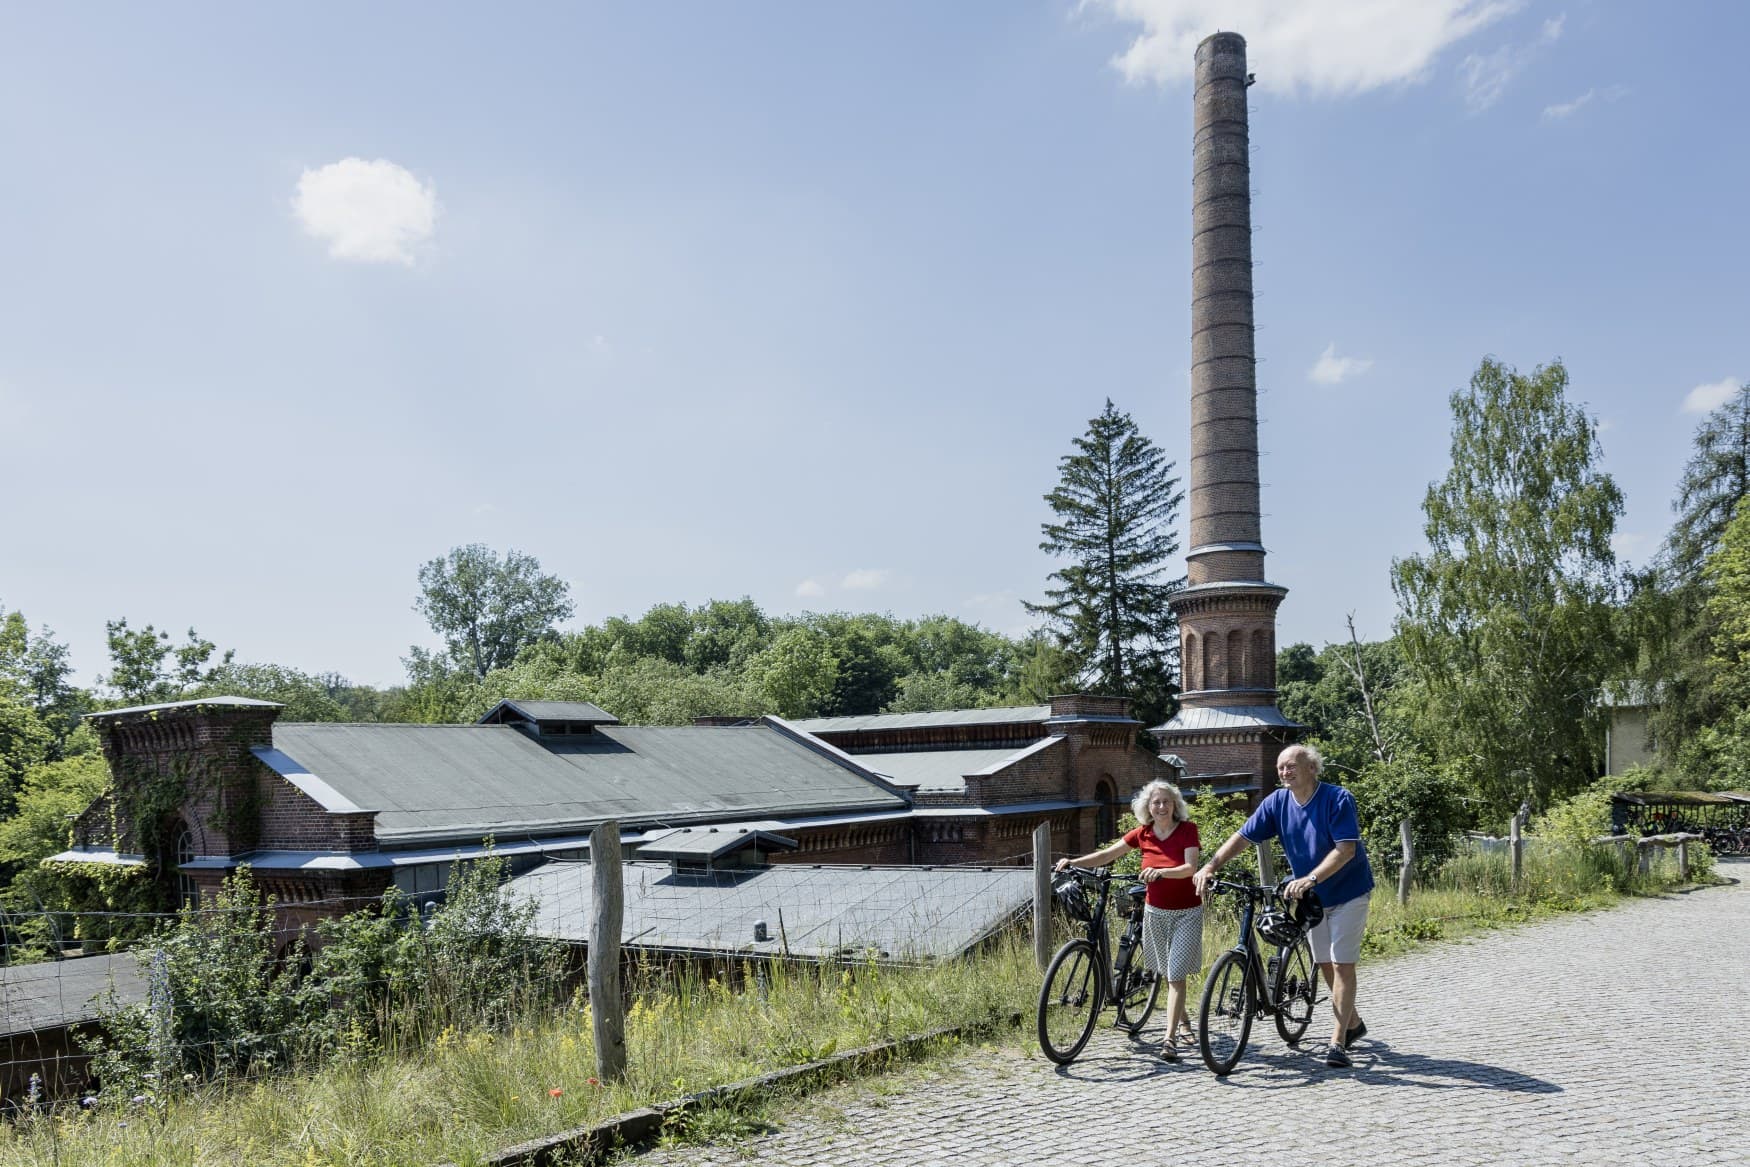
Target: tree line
{"points": [[1516, 627]]}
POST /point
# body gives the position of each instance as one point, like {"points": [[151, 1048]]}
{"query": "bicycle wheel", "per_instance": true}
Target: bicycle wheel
{"points": [[1137, 987], [1296, 990], [1070, 1000], [1224, 1019]]}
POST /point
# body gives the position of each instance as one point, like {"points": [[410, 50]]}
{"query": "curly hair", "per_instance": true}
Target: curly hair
{"points": [[1139, 804]]}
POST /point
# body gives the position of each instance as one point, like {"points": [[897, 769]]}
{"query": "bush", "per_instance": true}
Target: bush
{"points": [[1388, 792]]}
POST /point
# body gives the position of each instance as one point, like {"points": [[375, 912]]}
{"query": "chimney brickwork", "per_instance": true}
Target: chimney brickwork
{"points": [[1227, 611]]}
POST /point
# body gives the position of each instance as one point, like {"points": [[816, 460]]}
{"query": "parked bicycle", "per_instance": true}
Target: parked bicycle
{"points": [[1727, 840], [1083, 976], [1242, 985]]}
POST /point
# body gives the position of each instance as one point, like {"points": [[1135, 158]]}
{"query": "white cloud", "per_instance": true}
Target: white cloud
{"points": [[1709, 397], [809, 590], [1331, 369], [865, 579], [1565, 109], [369, 212], [1325, 48], [1486, 77]]}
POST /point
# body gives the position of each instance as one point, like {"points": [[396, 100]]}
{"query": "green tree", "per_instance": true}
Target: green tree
{"points": [[147, 666], [1667, 616], [1116, 502], [35, 670], [795, 676], [1720, 750], [1507, 621], [486, 608], [305, 697]]}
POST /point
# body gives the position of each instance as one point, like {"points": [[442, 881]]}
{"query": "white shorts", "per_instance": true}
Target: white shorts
{"points": [[1337, 938], [1172, 940]]}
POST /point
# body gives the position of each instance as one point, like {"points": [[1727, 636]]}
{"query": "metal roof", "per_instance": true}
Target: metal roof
{"points": [[711, 842], [431, 782], [581, 711], [892, 913], [1013, 715], [1227, 717], [936, 770], [1681, 797], [53, 993]]}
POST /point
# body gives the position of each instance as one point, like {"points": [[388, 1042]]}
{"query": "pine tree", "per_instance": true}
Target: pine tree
{"points": [[1116, 501]]}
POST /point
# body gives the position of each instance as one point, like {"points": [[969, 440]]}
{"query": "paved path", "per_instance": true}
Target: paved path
{"points": [[1611, 1037]]}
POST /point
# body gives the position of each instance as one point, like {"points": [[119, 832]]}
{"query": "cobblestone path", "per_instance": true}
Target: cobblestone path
{"points": [[1612, 1037]]}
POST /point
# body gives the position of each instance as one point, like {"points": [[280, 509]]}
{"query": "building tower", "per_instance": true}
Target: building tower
{"points": [[1228, 730]]}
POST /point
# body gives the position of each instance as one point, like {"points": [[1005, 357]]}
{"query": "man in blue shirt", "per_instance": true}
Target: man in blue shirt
{"points": [[1321, 836]]}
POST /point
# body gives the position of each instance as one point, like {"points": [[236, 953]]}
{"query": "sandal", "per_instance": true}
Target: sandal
{"points": [[1169, 1051]]}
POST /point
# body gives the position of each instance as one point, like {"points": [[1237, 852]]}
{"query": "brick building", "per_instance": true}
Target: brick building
{"points": [[328, 815]]}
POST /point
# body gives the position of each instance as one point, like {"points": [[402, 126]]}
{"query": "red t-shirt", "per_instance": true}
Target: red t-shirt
{"points": [[1167, 852]]}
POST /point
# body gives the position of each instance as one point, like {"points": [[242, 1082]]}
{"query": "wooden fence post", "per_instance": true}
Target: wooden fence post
{"points": [[1266, 864], [1409, 866], [606, 1008], [1516, 848], [1042, 894]]}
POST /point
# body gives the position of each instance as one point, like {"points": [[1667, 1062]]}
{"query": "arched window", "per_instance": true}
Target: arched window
{"points": [[1106, 814], [1193, 663], [1236, 659], [187, 891]]}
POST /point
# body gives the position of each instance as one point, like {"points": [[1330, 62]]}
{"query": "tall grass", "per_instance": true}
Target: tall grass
{"points": [[468, 1093]]}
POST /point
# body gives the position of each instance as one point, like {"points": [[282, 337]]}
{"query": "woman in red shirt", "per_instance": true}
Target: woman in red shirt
{"points": [[1172, 923]]}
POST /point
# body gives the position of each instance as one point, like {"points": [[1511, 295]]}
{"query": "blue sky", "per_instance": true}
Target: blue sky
{"points": [[801, 301]]}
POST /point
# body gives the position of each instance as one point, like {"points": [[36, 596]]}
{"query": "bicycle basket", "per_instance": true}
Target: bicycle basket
{"points": [[1073, 897]]}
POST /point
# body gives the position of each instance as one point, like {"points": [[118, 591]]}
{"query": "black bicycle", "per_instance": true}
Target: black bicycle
{"points": [[1242, 985], [1082, 976]]}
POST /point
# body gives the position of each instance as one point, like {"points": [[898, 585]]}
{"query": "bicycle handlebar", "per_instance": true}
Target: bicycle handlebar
{"points": [[1256, 891]]}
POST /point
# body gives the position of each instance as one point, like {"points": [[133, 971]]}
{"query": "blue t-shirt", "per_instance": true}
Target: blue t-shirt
{"points": [[1308, 834]]}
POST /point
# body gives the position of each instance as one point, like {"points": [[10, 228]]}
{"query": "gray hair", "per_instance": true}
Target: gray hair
{"points": [[1139, 804], [1312, 752]]}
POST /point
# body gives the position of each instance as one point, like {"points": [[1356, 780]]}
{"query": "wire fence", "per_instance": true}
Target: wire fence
{"points": [[237, 986]]}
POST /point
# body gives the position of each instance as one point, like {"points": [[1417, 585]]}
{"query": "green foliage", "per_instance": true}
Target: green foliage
{"points": [[147, 667], [1116, 504], [1507, 621], [486, 608], [305, 697], [1388, 792], [1669, 616], [222, 1002], [51, 905], [34, 671], [727, 658], [229, 994], [1319, 690], [389, 976]]}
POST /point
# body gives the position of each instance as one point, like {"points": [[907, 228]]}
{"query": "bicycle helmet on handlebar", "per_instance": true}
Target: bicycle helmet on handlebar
{"points": [[1073, 896], [1284, 921]]}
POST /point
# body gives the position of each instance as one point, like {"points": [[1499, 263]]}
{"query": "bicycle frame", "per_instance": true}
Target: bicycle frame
{"points": [[1261, 993], [1097, 932]]}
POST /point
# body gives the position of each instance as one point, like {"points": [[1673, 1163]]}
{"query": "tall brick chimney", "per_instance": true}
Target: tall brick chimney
{"points": [[1228, 729]]}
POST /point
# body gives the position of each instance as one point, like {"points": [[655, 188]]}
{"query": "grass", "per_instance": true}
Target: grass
{"points": [[468, 1094]]}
